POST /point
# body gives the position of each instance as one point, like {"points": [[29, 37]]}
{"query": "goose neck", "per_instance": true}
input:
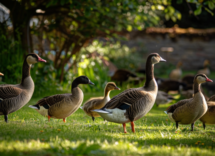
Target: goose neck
{"points": [[75, 84], [25, 71], [106, 93], [196, 87], [149, 73]]}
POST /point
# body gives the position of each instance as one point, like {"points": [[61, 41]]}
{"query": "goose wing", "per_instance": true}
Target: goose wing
{"points": [[92, 104], [7, 91], [173, 107], [48, 101], [125, 99]]}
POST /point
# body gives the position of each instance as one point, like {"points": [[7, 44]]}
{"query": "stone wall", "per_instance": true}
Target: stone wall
{"points": [[192, 52]]}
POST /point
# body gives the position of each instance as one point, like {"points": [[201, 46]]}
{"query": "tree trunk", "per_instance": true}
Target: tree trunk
{"points": [[62, 73], [20, 18]]}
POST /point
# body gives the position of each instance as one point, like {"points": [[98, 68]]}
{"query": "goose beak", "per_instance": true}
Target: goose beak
{"points": [[117, 88], [209, 80], [162, 60], [1, 74], [41, 60], [91, 83]]}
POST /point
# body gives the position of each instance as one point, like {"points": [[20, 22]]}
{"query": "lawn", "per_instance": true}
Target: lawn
{"points": [[29, 133]]}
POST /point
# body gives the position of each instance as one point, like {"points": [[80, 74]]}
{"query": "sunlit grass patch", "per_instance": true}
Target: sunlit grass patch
{"points": [[29, 133]]}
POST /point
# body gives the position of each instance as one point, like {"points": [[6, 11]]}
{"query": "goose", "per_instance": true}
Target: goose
{"points": [[205, 70], [14, 97], [188, 111], [188, 80], [122, 75], [61, 106], [175, 74], [172, 85], [163, 98], [98, 102], [133, 103], [209, 117], [1, 74]]}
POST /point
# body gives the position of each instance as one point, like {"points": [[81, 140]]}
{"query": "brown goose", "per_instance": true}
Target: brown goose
{"points": [[1, 74], [172, 85], [187, 111], [61, 106], [14, 97], [209, 117], [134, 103], [176, 73], [188, 80], [99, 102]]}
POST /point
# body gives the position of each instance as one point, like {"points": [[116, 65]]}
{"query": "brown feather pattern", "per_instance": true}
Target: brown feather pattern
{"points": [[136, 98]]}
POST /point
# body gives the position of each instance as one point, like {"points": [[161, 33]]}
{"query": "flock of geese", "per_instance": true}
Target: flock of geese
{"points": [[126, 107]]}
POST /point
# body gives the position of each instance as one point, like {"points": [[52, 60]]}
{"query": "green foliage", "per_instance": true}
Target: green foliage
{"points": [[11, 57], [120, 55], [44, 76], [94, 70]]}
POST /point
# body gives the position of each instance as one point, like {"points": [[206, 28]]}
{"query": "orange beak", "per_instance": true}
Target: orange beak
{"points": [[1, 74]]}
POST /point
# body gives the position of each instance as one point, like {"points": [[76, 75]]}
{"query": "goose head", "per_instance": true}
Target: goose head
{"points": [[156, 58], [202, 78], [1, 74], [83, 80], [33, 58], [111, 86]]}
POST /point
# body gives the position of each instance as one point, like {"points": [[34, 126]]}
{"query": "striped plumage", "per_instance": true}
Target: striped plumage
{"points": [[14, 97], [98, 102], [61, 106], [134, 103], [188, 111]]}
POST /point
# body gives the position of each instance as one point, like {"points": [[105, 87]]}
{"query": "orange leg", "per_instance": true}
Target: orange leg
{"points": [[49, 118], [64, 120], [124, 127], [132, 126]]}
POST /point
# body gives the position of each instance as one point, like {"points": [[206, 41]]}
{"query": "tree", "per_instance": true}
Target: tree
{"points": [[68, 25]]}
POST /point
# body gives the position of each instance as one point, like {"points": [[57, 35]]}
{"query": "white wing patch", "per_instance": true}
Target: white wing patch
{"points": [[170, 117], [43, 111], [116, 115]]}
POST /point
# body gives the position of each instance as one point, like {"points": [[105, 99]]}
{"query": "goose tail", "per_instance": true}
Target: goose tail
{"points": [[34, 107], [101, 111]]}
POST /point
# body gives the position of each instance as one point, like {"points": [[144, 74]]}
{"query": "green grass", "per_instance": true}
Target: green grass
{"points": [[29, 133]]}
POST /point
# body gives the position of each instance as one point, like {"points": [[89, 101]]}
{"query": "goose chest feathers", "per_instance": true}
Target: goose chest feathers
{"points": [[61, 106], [99, 102], [134, 103], [14, 97], [187, 111]]}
